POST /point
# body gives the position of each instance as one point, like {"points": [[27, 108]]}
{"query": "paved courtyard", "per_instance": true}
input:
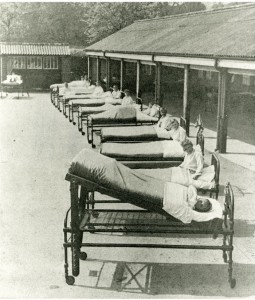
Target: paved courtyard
{"points": [[37, 145]]}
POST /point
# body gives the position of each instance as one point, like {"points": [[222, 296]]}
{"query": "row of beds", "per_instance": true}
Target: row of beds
{"points": [[108, 187]]}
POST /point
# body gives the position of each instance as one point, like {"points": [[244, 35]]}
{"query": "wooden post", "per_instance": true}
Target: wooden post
{"points": [[121, 73], [223, 107], [108, 73], [186, 100], [138, 71], [158, 98], [98, 68], [89, 67], [1, 72]]}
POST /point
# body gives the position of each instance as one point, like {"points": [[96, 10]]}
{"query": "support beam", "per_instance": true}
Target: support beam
{"points": [[108, 73], [158, 98], [138, 71], [89, 67], [186, 97], [223, 108], [98, 69], [122, 66]]}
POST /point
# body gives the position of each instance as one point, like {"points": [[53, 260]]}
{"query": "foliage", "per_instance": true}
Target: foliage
{"points": [[78, 23]]}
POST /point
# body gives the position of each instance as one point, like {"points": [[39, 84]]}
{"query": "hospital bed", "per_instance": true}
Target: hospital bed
{"points": [[119, 116], [73, 93], [99, 185], [84, 112], [136, 134], [54, 88], [75, 104], [160, 154]]}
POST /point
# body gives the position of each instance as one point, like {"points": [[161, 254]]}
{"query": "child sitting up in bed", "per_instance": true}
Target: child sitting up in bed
{"points": [[98, 90], [177, 133], [127, 100], [116, 93], [165, 121], [152, 110], [193, 160]]}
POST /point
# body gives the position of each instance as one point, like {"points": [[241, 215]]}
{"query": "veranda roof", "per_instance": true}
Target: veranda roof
{"points": [[218, 33], [33, 49]]}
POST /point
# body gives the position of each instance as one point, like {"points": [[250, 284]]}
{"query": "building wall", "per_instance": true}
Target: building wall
{"points": [[66, 69], [40, 78]]}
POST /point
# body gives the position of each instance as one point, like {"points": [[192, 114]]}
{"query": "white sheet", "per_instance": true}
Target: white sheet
{"points": [[178, 201], [183, 177], [172, 149]]}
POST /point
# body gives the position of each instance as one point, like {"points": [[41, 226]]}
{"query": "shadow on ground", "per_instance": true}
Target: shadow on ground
{"points": [[170, 279]]}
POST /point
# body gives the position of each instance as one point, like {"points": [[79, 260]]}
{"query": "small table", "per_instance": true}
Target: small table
{"points": [[18, 86]]}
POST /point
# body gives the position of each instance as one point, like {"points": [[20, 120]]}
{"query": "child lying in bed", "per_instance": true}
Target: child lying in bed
{"points": [[184, 204], [144, 191]]}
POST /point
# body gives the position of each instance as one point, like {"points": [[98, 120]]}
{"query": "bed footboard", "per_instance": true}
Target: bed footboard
{"points": [[87, 217]]}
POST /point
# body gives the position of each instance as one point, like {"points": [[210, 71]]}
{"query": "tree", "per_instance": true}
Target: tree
{"points": [[79, 23]]}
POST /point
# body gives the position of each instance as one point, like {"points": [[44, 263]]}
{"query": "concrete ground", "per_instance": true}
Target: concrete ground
{"points": [[36, 146]]}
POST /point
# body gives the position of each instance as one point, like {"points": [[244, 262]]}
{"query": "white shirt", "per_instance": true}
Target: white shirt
{"points": [[164, 122], [178, 134], [193, 162], [98, 91], [116, 94], [127, 100]]}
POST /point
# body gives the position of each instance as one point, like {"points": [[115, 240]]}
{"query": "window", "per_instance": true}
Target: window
{"points": [[246, 80], [17, 62], [34, 62], [50, 62]]}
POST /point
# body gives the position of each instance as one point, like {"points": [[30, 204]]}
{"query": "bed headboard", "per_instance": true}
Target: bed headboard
{"points": [[216, 163], [139, 101], [229, 207], [183, 123]]}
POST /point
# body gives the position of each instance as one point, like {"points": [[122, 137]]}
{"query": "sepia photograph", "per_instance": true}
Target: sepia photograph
{"points": [[127, 150]]}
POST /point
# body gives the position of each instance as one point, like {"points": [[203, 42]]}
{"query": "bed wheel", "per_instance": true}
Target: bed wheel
{"points": [[83, 133], [74, 123], [79, 129], [233, 283], [83, 255], [93, 146], [70, 120], [70, 280]]}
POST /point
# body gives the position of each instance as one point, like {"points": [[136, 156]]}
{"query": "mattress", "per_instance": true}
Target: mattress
{"points": [[141, 190], [157, 149], [182, 176], [109, 173], [84, 111], [94, 102], [121, 114], [134, 133]]}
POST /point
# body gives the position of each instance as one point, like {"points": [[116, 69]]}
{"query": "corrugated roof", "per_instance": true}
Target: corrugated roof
{"points": [[227, 32], [34, 49]]}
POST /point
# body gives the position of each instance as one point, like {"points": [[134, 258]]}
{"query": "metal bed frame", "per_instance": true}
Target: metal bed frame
{"points": [[83, 117], [149, 139], [92, 127], [148, 163], [85, 218]]}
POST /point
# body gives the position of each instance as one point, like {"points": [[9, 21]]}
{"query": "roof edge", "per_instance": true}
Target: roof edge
{"points": [[200, 12], [44, 44], [177, 54]]}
